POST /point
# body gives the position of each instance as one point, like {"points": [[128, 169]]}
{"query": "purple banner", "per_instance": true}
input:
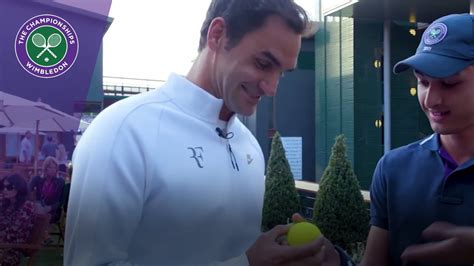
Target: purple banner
{"points": [[50, 49]]}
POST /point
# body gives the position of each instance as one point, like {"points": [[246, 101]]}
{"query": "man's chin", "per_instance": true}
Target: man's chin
{"points": [[247, 112], [443, 130]]}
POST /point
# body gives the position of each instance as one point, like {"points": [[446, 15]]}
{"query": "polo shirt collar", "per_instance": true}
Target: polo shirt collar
{"points": [[432, 142]]}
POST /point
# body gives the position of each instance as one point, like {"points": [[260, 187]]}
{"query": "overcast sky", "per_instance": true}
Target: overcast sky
{"points": [[150, 39]]}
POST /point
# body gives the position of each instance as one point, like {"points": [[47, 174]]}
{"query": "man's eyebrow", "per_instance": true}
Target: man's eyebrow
{"points": [[421, 74], [272, 58]]}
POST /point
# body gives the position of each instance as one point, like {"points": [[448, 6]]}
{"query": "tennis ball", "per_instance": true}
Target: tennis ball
{"points": [[302, 233]]}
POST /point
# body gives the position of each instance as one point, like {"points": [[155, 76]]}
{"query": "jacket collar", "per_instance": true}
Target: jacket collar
{"points": [[194, 100]]}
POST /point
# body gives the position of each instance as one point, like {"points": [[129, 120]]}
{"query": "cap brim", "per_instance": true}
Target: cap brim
{"points": [[433, 65]]}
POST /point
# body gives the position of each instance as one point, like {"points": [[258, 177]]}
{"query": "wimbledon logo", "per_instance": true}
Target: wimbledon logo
{"points": [[46, 46]]}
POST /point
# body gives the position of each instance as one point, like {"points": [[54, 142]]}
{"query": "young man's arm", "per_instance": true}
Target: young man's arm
{"points": [[376, 251], [377, 247]]}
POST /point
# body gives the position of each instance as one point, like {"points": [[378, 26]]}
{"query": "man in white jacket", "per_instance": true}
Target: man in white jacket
{"points": [[172, 177]]}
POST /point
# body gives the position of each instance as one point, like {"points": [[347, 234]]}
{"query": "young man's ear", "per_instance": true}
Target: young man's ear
{"points": [[216, 34]]}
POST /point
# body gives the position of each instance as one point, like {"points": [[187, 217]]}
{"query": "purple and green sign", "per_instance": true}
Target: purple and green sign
{"points": [[46, 46]]}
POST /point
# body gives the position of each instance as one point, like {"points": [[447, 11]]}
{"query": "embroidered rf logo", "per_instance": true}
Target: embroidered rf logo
{"points": [[197, 155]]}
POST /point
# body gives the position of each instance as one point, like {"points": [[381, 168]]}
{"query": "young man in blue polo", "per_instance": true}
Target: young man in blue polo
{"points": [[422, 194]]}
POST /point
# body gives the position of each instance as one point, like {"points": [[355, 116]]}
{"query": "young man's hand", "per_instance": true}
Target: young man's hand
{"points": [[451, 245]]}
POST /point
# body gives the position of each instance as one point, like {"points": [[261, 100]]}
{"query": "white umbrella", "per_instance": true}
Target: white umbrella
{"points": [[15, 110], [22, 113], [18, 130]]}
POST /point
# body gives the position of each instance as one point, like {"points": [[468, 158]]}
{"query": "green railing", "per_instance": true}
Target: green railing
{"points": [[308, 191]]}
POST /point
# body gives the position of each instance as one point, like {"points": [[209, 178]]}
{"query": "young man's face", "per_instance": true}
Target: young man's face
{"points": [[254, 66], [448, 103]]}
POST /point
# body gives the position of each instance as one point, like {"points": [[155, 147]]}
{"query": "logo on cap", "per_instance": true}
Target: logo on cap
{"points": [[435, 34], [46, 46]]}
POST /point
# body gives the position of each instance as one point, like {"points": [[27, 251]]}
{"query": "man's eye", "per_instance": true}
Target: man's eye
{"points": [[263, 64], [450, 84], [423, 83]]}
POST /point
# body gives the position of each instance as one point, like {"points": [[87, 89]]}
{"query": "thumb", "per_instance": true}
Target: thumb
{"points": [[296, 218]]}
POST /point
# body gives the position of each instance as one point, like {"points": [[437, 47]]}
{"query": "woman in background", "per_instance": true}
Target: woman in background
{"points": [[47, 189], [16, 217]]}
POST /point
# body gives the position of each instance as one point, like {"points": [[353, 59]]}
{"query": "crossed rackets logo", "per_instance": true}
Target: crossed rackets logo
{"points": [[44, 46], [40, 41]]}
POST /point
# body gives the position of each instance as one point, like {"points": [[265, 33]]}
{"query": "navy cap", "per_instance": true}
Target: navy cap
{"points": [[446, 47]]}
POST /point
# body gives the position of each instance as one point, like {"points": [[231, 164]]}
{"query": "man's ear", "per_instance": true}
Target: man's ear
{"points": [[216, 34]]}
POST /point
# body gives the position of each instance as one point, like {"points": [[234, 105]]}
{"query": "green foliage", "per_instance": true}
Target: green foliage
{"points": [[339, 209], [281, 197]]}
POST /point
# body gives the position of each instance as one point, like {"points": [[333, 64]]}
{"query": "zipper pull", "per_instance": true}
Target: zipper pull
{"points": [[232, 157]]}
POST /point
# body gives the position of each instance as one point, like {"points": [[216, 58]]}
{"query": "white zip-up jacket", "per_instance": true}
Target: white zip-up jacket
{"points": [[154, 184]]}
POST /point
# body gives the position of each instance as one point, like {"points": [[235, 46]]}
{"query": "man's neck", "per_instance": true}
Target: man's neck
{"points": [[200, 74], [459, 146]]}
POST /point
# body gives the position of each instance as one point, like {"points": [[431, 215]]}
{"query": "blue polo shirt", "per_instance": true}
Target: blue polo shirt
{"points": [[410, 191]]}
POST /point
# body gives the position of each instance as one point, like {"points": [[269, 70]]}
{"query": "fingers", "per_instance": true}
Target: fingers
{"points": [[439, 231], [298, 252], [277, 232], [315, 260], [429, 252]]}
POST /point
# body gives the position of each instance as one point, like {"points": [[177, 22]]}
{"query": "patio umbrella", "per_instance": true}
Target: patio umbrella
{"points": [[18, 130], [22, 113]]}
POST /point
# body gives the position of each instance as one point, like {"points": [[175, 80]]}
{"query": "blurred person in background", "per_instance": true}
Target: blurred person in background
{"points": [[16, 217]]}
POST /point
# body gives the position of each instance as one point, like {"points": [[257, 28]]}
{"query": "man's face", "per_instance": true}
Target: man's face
{"points": [[449, 102], [254, 66]]}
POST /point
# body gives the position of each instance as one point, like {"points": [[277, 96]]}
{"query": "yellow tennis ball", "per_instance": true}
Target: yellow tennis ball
{"points": [[302, 233]]}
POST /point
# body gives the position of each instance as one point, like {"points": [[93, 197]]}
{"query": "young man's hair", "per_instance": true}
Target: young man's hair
{"points": [[244, 16]]}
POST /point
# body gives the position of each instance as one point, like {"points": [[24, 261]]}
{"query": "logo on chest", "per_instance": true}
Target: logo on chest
{"points": [[197, 155], [249, 159]]}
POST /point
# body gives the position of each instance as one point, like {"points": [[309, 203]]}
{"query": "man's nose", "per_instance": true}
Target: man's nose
{"points": [[269, 85], [433, 96]]}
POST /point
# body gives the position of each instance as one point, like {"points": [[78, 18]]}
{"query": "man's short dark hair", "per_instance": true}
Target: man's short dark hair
{"points": [[244, 16]]}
